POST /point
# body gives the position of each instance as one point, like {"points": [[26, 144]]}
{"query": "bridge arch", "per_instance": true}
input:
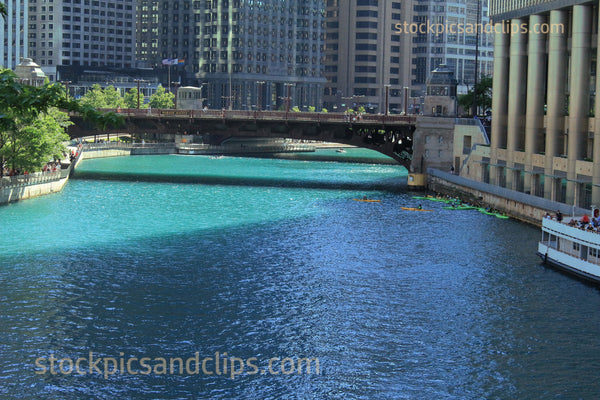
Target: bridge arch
{"points": [[388, 134]]}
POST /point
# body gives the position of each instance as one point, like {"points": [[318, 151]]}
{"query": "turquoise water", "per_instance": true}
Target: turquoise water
{"points": [[166, 256]]}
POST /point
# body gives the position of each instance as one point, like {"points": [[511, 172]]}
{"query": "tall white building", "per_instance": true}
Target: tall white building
{"points": [[14, 33]]}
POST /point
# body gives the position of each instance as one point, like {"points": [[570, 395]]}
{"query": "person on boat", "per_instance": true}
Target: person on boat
{"points": [[584, 220], [548, 215], [365, 198], [559, 216], [420, 207]]}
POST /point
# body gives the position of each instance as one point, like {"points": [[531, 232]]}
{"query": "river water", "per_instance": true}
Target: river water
{"points": [[272, 262]]}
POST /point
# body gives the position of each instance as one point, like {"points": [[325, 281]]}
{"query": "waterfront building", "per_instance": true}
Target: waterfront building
{"points": [[81, 33], [245, 54], [545, 136], [14, 32]]}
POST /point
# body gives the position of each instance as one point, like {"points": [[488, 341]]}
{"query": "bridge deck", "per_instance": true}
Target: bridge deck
{"points": [[389, 134]]}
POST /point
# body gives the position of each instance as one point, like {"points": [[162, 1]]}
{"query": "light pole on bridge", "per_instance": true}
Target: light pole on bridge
{"points": [[138, 91]]}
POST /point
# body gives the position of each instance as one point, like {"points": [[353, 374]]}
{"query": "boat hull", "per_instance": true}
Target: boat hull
{"points": [[571, 250], [588, 273]]}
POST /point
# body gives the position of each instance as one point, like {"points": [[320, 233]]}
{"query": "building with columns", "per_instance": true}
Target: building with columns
{"points": [[545, 134]]}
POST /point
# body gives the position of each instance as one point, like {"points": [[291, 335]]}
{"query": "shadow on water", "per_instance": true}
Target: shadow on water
{"points": [[393, 185]]}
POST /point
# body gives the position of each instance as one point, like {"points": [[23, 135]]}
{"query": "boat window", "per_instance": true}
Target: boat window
{"points": [[575, 246], [593, 252]]}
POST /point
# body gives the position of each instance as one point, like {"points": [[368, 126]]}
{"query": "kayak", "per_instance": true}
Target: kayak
{"points": [[438, 199], [368, 200], [497, 215], [414, 209], [460, 208]]}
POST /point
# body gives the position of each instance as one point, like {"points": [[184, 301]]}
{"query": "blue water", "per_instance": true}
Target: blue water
{"points": [[272, 258]]}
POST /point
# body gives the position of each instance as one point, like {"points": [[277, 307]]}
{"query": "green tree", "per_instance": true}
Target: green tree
{"points": [[482, 92], [113, 97], [33, 143], [131, 99], [21, 127], [161, 98], [94, 97]]}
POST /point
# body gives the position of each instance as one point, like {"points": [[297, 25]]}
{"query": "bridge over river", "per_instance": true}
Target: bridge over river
{"points": [[391, 135]]}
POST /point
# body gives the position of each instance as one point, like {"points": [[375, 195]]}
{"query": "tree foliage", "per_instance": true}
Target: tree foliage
{"points": [[29, 132], [161, 98], [108, 97], [33, 143], [482, 92], [131, 99]]}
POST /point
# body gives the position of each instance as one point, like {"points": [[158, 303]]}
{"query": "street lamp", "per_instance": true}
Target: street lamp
{"points": [[176, 84], [288, 97], [259, 94], [387, 99], [66, 83], [138, 91]]}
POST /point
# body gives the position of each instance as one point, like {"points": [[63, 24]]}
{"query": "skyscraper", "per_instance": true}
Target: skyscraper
{"points": [[374, 43], [247, 54], [14, 31], [367, 62], [81, 32], [453, 33]]}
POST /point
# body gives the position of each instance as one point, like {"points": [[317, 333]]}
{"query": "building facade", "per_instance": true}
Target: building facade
{"points": [[81, 32], [545, 137], [368, 63], [371, 44], [14, 31], [458, 35], [245, 54]]}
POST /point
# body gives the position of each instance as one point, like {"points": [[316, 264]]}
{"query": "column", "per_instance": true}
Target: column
{"points": [[579, 97], [517, 85], [499, 99], [596, 154], [557, 80], [536, 89]]}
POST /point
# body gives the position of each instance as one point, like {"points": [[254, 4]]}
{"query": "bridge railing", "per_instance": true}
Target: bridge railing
{"points": [[265, 115]]}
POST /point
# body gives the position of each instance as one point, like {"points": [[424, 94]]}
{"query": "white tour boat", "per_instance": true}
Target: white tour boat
{"points": [[570, 248]]}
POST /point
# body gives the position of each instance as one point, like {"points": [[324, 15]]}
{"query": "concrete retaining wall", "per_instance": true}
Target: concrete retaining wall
{"points": [[16, 193], [527, 208]]}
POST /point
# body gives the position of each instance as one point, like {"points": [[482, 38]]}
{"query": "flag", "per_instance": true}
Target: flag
{"points": [[170, 61], [181, 61]]}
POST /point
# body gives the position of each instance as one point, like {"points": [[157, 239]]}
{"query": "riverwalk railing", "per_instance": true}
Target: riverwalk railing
{"points": [[35, 178]]}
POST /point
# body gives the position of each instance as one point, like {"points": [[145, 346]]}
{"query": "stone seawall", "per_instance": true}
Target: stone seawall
{"points": [[521, 206], [15, 193]]}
